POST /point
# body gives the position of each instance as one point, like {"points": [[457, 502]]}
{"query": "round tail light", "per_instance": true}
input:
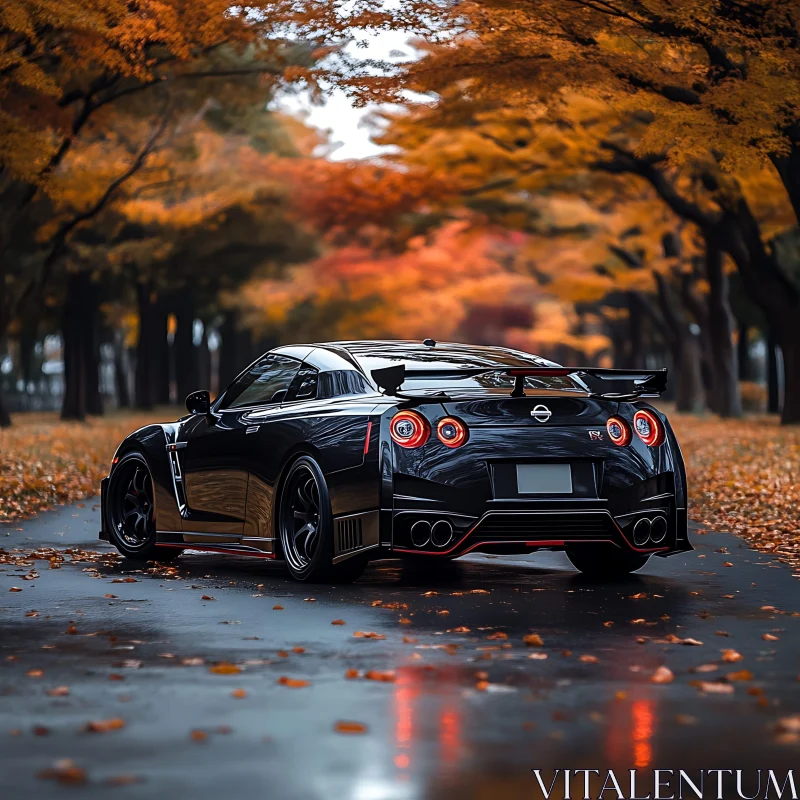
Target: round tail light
{"points": [[409, 429], [452, 432], [618, 431], [648, 428]]}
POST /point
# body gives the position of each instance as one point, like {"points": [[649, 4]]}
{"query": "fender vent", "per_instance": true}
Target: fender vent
{"points": [[348, 534]]}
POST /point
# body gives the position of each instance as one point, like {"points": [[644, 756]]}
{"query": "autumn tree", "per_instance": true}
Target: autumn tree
{"points": [[64, 67], [720, 78]]}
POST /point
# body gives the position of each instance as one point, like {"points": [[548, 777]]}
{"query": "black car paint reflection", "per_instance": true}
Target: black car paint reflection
{"points": [[217, 476]]}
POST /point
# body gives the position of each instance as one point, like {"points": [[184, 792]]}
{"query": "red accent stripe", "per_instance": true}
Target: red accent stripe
{"points": [[366, 441], [214, 549]]}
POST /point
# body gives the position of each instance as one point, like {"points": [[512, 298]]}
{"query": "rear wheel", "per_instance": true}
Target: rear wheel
{"points": [[131, 513], [305, 528], [605, 562]]}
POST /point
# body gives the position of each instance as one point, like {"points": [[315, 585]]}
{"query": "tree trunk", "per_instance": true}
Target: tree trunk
{"points": [[146, 358], [237, 349], [684, 346], [5, 417], [690, 394], [120, 371], [743, 352], [27, 342], [773, 376], [635, 332], [728, 400], [79, 330], [767, 284], [163, 356], [204, 361], [186, 377]]}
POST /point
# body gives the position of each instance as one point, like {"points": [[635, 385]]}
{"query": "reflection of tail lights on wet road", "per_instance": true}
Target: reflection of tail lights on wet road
{"points": [[442, 717], [629, 740]]}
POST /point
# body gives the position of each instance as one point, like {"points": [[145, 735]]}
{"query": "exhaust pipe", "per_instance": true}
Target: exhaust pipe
{"points": [[641, 532], [441, 533], [658, 530], [420, 533]]}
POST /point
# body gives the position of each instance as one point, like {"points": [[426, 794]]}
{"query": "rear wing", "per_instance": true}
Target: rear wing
{"points": [[646, 382]]}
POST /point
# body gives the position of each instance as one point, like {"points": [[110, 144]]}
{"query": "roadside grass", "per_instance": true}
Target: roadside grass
{"points": [[744, 475], [44, 462]]}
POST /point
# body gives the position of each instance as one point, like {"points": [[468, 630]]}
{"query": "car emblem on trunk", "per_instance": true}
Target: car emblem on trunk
{"points": [[541, 413]]}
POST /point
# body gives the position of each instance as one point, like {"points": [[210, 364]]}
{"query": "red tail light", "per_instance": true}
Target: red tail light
{"points": [[618, 431], [409, 429], [649, 428], [452, 432]]}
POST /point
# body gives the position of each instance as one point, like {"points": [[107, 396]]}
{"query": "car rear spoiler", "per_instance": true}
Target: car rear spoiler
{"points": [[646, 382]]}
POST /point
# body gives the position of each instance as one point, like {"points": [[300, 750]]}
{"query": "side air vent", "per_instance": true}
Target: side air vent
{"points": [[177, 475], [348, 534]]}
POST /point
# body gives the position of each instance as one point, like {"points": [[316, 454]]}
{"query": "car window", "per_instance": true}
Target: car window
{"points": [[268, 381], [304, 386], [342, 382]]}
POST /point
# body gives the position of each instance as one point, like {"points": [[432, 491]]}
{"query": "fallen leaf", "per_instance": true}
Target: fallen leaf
{"points": [[768, 637], [292, 683], [533, 640], [64, 771], [239, 693], [198, 736], [742, 675], [338, 622], [207, 597], [713, 687], [589, 659], [377, 675], [277, 608], [351, 674], [104, 725], [662, 675], [224, 668], [368, 635], [731, 656], [350, 727], [15, 589], [58, 691]]}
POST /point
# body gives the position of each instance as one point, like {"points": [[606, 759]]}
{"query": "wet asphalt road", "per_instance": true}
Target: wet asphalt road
{"points": [[145, 655]]}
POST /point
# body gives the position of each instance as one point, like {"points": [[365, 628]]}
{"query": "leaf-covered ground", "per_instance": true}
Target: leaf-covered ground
{"points": [[44, 461], [744, 475]]}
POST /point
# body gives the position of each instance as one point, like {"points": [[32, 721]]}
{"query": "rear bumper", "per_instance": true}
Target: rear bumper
{"points": [[525, 527]]}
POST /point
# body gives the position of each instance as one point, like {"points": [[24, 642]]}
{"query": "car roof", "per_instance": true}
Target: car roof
{"points": [[380, 353]]}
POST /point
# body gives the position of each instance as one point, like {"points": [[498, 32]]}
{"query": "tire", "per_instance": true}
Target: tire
{"points": [[130, 512], [606, 562], [305, 527]]}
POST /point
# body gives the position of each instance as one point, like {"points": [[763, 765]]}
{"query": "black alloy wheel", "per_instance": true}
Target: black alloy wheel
{"points": [[131, 511], [305, 527]]}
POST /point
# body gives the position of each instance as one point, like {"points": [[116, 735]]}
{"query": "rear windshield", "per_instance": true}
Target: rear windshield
{"points": [[493, 380]]}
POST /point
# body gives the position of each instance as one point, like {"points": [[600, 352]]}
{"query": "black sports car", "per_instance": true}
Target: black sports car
{"points": [[329, 455]]}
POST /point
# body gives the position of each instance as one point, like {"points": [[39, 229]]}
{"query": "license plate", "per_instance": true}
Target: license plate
{"points": [[544, 479]]}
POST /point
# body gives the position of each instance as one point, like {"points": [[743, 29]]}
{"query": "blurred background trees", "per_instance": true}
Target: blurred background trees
{"points": [[610, 183]]}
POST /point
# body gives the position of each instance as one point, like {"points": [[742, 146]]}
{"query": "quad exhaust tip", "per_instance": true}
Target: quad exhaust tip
{"points": [[420, 533], [440, 534], [652, 530]]}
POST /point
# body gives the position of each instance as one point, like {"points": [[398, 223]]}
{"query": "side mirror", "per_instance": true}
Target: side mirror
{"points": [[199, 402]]}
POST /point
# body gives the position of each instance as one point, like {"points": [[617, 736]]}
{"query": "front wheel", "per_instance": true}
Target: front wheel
{"points": [[130, 511], [603, 562], [305, 528]]}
